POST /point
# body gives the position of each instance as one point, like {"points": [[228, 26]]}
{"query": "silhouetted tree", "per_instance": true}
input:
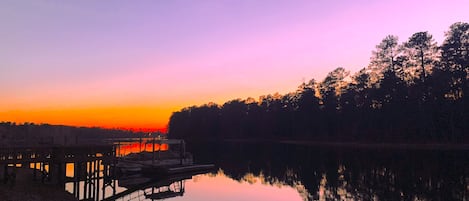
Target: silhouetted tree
{"points": [[455, 64], [410, 92], [422, 51], [455, 48], [386, 53]]}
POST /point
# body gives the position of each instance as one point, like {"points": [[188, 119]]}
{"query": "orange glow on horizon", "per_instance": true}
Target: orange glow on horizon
{"points": [[144, 119]]}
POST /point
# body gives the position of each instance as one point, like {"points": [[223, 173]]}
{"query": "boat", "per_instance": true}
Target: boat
{"points": [[172, 159], [138, 162]]}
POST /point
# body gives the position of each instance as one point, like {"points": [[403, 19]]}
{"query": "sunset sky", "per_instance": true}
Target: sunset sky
{"points": [[130, 64]]}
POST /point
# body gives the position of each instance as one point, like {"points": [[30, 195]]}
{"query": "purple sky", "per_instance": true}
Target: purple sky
{"points": [[58, 55]]}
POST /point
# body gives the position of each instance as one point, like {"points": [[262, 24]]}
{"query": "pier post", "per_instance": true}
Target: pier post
{"points": [[140, 144], [117, 149], [34, 171], [77, 176], [41, 170], [85, 182], [61, 174], [97, 179], [105, 178], [5, 173], [89, 177], [57, 166]]}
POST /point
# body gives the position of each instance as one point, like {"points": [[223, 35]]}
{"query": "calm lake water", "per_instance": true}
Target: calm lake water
{"points": [[266, 171]]}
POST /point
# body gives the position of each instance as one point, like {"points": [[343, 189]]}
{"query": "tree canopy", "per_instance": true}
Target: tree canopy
{"points": [[415, 91]]}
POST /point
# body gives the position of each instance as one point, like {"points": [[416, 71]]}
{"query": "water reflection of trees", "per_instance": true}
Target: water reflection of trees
{"points": [[341, 174]]}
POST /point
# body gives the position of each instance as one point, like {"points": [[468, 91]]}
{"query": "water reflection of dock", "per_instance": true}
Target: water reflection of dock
{"points": [[141, 187]]}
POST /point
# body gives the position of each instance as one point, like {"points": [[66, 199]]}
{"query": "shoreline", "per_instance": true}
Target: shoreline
{"points": [[385, 145], [360, 145]]}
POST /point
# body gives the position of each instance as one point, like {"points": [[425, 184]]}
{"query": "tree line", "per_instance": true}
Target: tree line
{"points": [[414, 91], [12, 133]]}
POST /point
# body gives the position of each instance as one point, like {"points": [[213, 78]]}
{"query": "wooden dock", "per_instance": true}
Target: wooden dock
{"points": [[91, 162], [95, 163]]}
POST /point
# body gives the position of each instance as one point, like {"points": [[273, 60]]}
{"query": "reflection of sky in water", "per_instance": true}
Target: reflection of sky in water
{"points": [[290, 172], [220, 187]]}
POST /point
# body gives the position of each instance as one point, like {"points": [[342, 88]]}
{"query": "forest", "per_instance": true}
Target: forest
{"points": [[413, 91]]}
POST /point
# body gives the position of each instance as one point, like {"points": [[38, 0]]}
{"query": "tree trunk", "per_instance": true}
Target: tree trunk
{"points": [[423, 65]]}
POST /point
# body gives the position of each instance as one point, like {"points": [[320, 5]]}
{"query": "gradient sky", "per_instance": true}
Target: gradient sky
{"points": [[132, 63]]}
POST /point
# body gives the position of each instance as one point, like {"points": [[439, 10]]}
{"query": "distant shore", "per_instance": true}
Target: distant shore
{"points": [[422, 146], [361, 145], [23, 188]]}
